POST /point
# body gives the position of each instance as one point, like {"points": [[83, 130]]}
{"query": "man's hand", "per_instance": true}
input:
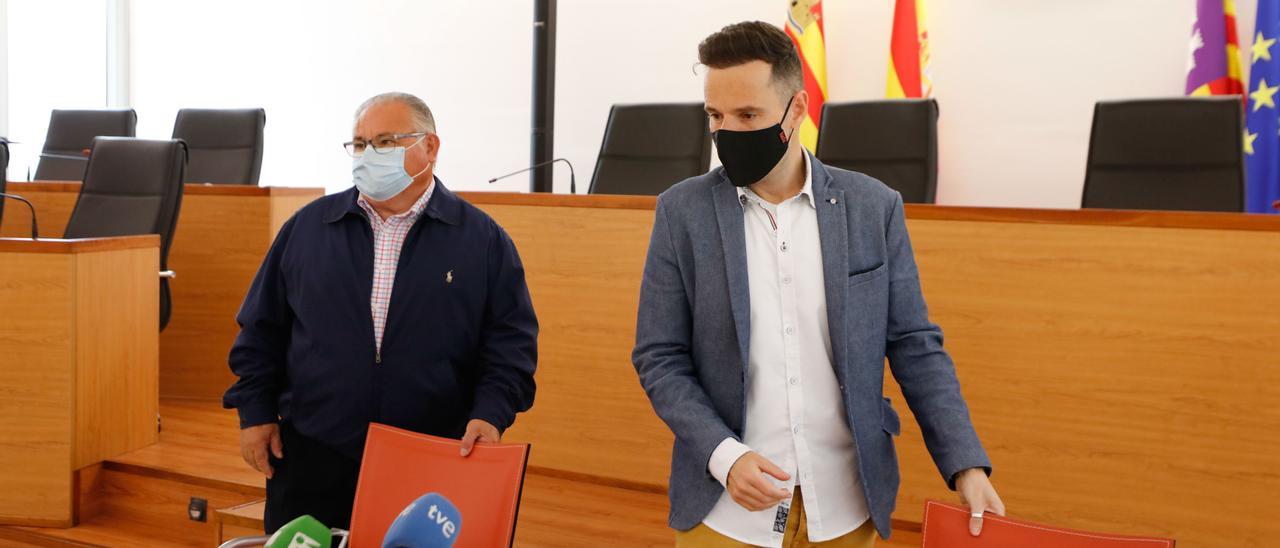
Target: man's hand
{"points": [[977, 493], [478, 430], [748, 485], [255, 441]]}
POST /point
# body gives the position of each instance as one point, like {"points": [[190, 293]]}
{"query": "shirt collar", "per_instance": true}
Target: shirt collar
{"points": [[806, 191], [444, 205], [412, 214]]}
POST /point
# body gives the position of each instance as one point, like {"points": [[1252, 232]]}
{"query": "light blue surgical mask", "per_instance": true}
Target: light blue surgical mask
{"points": [[381, 175]]}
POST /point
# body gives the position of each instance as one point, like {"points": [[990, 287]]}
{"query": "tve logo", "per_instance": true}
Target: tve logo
{"points": [[447, 527], [430, 521]]}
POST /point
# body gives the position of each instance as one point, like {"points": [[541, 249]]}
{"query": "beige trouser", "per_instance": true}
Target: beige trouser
{"points": [[797, 535]]}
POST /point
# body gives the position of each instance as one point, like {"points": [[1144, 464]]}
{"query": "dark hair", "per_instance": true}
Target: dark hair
{"points": [[755, 41]]}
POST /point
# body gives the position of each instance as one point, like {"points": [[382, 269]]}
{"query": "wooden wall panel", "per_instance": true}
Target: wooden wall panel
{"points": [[1122, 378], [117, 353], [217, 248], [53, 204], [583, 267], [36, 380]]}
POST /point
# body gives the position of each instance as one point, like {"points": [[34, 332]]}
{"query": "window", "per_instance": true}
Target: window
{"points": [[54, 56]]}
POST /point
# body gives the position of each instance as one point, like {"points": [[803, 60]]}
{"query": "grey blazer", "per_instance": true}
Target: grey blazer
{"points": [[693, 328]]}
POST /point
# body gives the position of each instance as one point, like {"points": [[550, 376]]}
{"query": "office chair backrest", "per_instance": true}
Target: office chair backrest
{"points": [[947, 526], [1184, 153], [71, 132], [895, 141], [225, 145], [4, 172], [132, 186], [399, 466], [648, 148]]}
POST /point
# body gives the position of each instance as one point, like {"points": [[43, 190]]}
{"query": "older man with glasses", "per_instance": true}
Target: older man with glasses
{"points": [[394, 302]]}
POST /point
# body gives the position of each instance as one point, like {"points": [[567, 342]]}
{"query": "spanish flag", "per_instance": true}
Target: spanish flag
{"points": [[804, 26], [909, 52], [1214, 65]]}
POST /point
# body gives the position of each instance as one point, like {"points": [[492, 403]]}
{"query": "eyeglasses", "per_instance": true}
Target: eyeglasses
{"points": [[381, 144]]}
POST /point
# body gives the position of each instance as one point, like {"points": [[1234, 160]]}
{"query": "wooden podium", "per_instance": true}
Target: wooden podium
{"points": [[223, 233], [79, 353]]}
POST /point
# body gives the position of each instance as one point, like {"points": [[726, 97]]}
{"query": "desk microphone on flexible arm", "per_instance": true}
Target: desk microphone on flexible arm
{"points": [[573, 184]]}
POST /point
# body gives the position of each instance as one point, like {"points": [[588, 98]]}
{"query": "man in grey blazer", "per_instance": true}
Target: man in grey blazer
{"points": [[773, 291]]}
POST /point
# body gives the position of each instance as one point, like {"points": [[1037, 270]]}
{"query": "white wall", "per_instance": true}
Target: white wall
{"points": [[1016, 80], [310, 63], [55, 60]]}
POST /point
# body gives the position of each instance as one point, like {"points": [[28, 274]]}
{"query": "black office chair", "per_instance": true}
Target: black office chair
{"points": [[648, 148], [4, 172], [71, 132], [1184, 153], [225, 146], [132, 186], [895, 141]]}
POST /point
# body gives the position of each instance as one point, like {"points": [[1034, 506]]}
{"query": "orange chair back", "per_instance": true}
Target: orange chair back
{"points": [[946, 525], [400, 466]]}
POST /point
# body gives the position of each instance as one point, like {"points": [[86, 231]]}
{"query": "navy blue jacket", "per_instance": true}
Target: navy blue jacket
{"points": [[460, 341]]}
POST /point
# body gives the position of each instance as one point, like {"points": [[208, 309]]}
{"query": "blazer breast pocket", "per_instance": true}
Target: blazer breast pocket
{"points": [[859, 278]]}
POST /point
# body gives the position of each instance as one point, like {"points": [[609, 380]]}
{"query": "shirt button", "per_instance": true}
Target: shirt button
{"points": [[795, 381], [791, 330], [795, 429], [783, 247], [786, 279]]}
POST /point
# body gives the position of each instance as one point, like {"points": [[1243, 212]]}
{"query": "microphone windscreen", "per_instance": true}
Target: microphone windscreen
{"points": [[302, 532], [432, 521]]}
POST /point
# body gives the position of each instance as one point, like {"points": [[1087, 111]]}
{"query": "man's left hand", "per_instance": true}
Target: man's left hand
{"points": [[478, 430], [979, 495]]}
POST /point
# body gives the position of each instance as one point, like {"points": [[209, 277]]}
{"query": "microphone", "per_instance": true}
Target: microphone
{"points": [[429, 522], [573, 183], [35, 229], [302, 532]]}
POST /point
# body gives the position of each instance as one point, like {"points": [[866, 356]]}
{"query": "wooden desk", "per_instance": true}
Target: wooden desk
{"points": [[78, 366], [1121, 367], [223, 233]]}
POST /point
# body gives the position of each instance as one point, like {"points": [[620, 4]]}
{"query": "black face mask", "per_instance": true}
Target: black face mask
{"points": [[748, 156]]}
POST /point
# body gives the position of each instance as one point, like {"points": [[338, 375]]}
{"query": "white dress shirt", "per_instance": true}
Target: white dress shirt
{"points": [[795, 413]]}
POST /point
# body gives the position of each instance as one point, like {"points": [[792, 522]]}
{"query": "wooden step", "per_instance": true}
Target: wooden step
{"points": [[137, 509], [242, 520]]}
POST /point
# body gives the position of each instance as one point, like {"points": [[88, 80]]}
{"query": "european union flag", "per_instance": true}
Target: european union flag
{"points": [[1262, 133]]}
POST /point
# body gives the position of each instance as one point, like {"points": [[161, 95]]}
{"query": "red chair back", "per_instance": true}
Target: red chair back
{"points": [[946, 525], [400, 466]]}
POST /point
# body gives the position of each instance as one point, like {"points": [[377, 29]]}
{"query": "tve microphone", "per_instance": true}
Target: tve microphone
{"points": [[573, 180], [35, 228], [429, 522], [303, 532]]}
